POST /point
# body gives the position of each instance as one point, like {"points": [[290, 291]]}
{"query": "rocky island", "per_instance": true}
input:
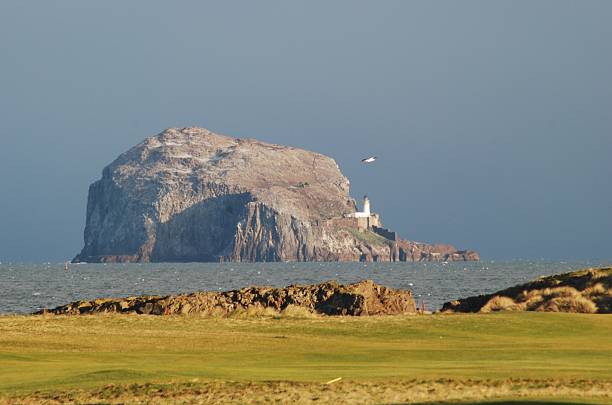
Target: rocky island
{"points": [[190, 195]]}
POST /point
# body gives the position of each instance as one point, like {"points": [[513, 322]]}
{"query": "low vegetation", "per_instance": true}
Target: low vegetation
{"points": [[586, 291], [441, 391], [367, 236], [289, 358]]}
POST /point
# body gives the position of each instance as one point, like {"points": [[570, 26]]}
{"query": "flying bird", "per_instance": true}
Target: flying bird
{"points": [[369, 160]]}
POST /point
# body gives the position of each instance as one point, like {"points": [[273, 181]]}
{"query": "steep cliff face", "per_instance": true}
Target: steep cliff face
{"points": [[192, 195]]}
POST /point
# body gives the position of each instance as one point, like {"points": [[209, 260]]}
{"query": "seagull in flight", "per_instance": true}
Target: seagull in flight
{"points": [[369, 160]]}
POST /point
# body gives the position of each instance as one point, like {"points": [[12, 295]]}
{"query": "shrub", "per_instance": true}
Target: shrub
{"points": [[597, 289], [600, 273], [528, 295], [499, 303], [576, 304], [253, 311], [295, 311], [560, 292], [604, 303], [534, 301]]}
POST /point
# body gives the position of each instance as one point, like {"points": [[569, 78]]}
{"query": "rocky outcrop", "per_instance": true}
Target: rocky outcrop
{"points": [[192, 195], [416, 252], [586, 291], [330, 298]]}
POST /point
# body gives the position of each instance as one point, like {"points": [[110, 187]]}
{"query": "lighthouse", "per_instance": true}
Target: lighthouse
{"points": [[365, 219], [366, 209], [366, 205]]}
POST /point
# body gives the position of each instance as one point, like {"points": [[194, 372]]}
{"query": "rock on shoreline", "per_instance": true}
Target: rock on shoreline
{"points": [[329, 298], [190, 195], [585, 291]]}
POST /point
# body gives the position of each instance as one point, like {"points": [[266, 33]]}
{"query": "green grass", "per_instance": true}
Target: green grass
{"points": [[367, 236], [66, 353]]}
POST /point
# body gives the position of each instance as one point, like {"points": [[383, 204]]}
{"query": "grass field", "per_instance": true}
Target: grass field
{"points": [[123, 358]]}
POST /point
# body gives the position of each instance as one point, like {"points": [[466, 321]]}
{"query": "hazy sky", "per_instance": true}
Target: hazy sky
{"points": [[492, 120]]}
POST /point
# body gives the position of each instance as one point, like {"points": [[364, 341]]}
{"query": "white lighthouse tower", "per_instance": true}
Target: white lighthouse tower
{"points": [[365, 219], [366, 205], [366, 209]]}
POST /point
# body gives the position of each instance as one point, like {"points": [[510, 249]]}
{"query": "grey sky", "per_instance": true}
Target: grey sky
{"points": [[492, 119]]}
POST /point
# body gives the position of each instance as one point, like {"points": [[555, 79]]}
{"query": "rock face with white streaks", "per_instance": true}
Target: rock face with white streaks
{"points": [[192, 195]]}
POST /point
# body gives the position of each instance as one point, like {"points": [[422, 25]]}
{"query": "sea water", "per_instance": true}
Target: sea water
{"points": [[25, 288]]}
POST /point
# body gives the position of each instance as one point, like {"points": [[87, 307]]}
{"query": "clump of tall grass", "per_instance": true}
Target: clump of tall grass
{"points": [[565, 291], [500, 303], [596, 290], [604, 302], [577, 303], [599, 273], [295, 311], [258, 311], [584, 291], [253, 311], [556, 299]]}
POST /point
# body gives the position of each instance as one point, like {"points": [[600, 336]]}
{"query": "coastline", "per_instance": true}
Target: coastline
{"points": [[31, 287]]}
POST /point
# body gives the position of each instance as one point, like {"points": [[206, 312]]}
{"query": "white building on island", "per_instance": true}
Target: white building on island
{"points": [[365, 219], [366, 209]]}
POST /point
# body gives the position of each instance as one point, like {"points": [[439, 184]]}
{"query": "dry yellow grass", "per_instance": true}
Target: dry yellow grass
{"points": [[559, 292], [342, 392], [595, 290], [584, 291], [499, 303], [576, 304], [297, 312]]}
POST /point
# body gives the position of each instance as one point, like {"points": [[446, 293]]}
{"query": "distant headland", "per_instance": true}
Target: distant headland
{"points": [[190, 195]]}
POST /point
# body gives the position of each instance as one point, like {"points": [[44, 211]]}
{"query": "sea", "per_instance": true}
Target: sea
{"points": [[26, 288]]}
